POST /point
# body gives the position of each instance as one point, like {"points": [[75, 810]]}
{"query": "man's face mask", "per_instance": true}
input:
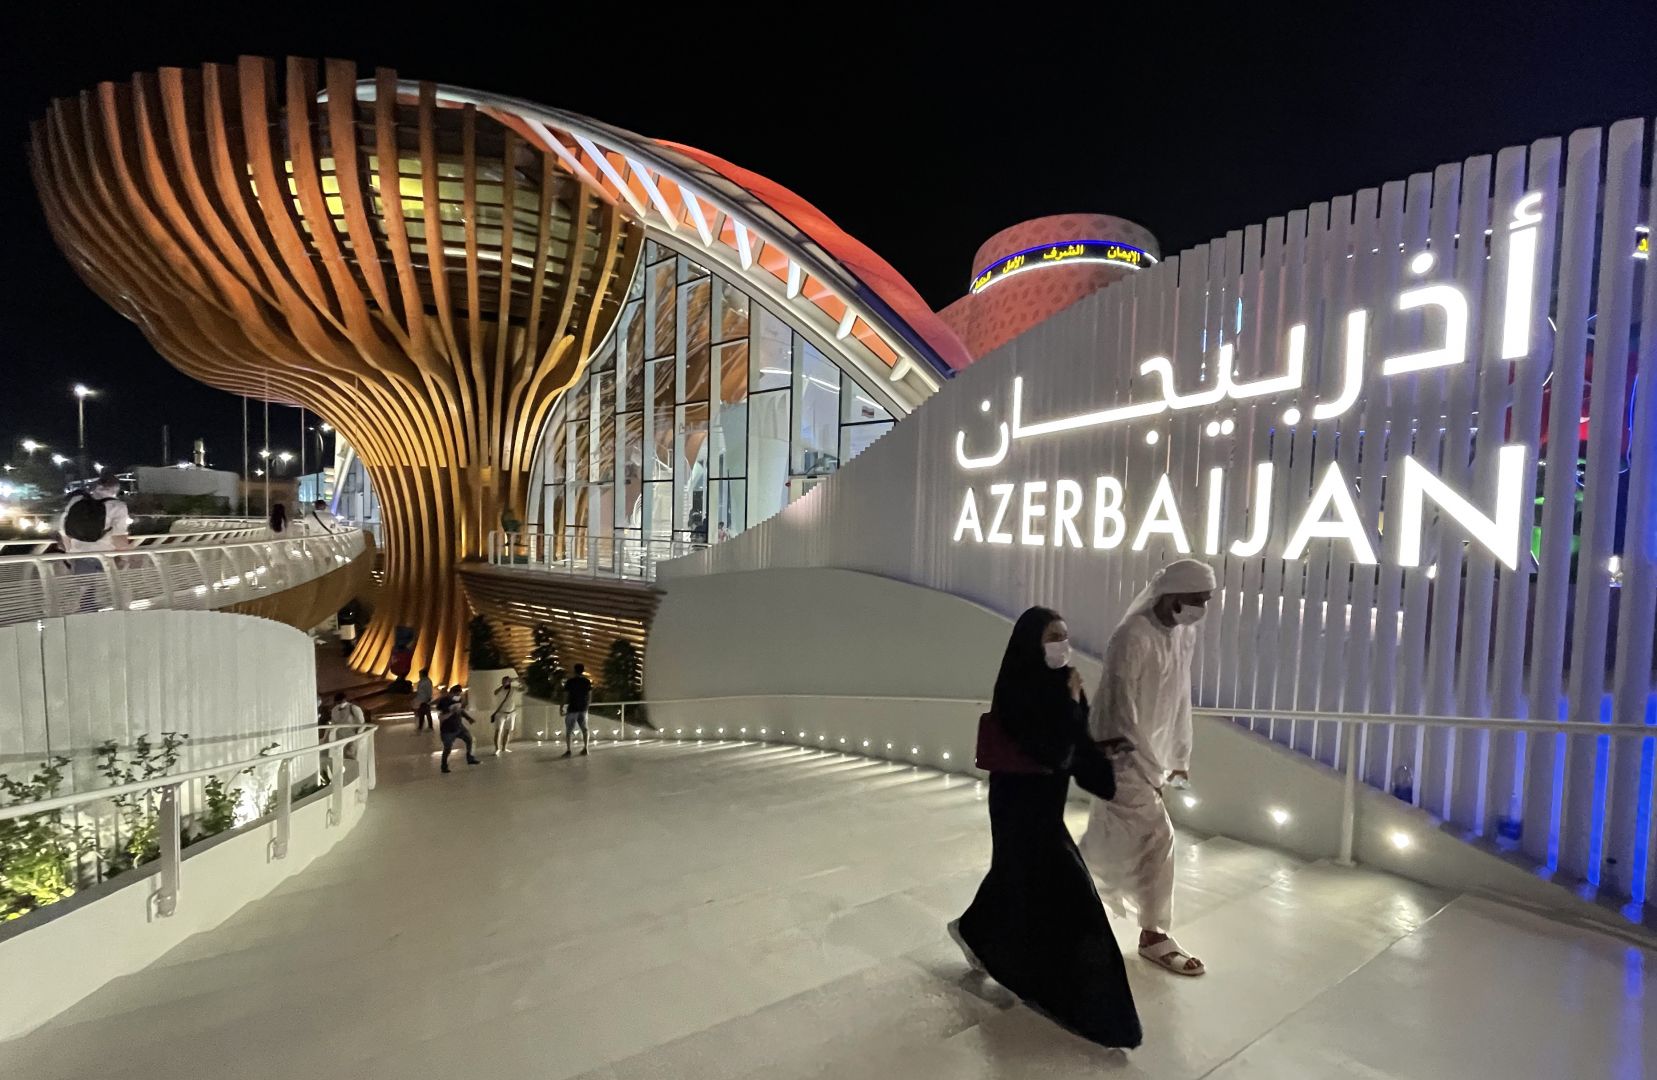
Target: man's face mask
{"points": [[1185, 614]]}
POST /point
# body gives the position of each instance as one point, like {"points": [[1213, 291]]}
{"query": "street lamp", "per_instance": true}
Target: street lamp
{"points": [[82, 392], [30, 446], [59, 460]]}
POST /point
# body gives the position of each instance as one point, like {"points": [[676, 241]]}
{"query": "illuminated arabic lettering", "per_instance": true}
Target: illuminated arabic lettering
{"points": [[1352, 372], [1085, 251], [1453, 303], [1521, 277], [1103, 417], [1162, 367], [986, 462], [1282, 384]]}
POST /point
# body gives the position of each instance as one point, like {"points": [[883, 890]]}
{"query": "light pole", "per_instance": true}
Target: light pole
{"points": [[264, 455], [81, 394]]}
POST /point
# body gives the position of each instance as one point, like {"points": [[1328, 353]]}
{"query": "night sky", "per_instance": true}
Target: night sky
{"points": [[921, 138]]}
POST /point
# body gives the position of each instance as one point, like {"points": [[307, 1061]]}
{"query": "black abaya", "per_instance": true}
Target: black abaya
{"points": [[1037, 924]]}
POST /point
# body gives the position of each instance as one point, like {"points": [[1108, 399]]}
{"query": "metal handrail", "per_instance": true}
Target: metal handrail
{"points": [[1349, 764], [360, 733], [173, 573], [170, 856], [628, 557]]}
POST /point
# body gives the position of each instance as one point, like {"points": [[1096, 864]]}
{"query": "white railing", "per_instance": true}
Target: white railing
{"points": [[172, 573], [157, 803], [178, 530], [1337, 728], [593, 556]]}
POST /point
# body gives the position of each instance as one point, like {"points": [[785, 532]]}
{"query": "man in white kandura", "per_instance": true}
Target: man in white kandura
{"points": [[1142, 713]]}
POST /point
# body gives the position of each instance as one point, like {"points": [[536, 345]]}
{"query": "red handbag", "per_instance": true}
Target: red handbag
{"points": [[997, 752]]}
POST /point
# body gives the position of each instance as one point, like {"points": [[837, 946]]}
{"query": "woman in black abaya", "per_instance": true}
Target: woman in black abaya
{"points": [[1037, 926]]}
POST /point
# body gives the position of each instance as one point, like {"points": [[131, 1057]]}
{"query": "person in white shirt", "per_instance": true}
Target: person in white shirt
{"points": [[505, 716], [343, 713], [117, 518], [1142, 716]]}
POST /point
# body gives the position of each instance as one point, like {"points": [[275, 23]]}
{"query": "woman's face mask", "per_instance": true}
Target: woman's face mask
{"points": [[1057, 653]]}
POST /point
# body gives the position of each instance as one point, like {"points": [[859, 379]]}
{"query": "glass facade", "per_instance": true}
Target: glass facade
{"points": [[704, 413]]}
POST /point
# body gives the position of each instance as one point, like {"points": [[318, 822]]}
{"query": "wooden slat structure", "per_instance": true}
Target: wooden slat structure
{"points": [[406, 266], [587, 615]]}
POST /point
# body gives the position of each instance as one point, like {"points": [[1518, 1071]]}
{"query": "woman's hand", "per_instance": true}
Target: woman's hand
{"points": [[1075, 685]]}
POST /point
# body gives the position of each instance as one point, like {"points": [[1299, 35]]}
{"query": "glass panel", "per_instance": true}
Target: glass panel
{"points": [[632, 450], [577, 461], [695, 314], [658, 510], [768, 432], [635, 357], [661, 382], [730, 314], [855, 438], [691, 472], [606, 359], [730, 508], [582, 407], [816, 412], [768, 357], [731, 371], [689, 270], [603, 498], [857, 406], [604, 454], [662, 444], [695, 375], [635, 288], [556, 469], [662, 303]]}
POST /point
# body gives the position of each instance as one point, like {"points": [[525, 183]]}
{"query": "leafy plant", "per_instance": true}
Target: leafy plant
{"points": [[483, 650], [623, 679], [222, 797], [544, 677], [40, 854], [137, 814]]}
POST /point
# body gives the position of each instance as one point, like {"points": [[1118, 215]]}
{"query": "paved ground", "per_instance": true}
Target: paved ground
{"points": [[736, 912]]}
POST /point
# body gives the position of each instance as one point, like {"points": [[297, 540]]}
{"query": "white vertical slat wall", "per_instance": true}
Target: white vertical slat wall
{"points": [[233, 683], [1459, 632]]}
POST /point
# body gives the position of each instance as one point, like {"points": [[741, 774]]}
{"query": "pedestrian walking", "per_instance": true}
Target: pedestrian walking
{"points": [[452, 724], [505, 717], [578, 695], [423, 693]]}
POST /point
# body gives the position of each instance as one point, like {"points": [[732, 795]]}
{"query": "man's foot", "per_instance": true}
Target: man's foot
{"points": [[583, 751], [506, 749], [473, 761], [954, 929], [1165, 952], [565, 754], [445, 769]]}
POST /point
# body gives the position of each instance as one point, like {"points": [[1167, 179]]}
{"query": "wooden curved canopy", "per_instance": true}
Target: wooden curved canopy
{"points": [[412, 271]]}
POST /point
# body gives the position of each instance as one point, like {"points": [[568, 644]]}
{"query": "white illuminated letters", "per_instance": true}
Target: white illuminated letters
{"points": [[1064, 513], [969, 519], [1260, 508], [1107, 510], [1216, 491], [1004, 493], [1521, 277], [1162, 517], [1332, 494], [1499, 534], [1032, 510]]}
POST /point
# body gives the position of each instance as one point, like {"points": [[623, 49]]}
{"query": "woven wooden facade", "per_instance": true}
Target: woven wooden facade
{"points": [[410, 269]]}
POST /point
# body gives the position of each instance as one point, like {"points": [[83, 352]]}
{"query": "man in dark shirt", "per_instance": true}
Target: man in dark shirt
{"points": [[578, 694], [451, 725]]}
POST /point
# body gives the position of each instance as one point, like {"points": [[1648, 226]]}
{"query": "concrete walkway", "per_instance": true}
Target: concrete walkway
{"points": [[737, 911]]}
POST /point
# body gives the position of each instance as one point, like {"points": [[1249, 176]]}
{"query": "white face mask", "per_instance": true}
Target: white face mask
{"points": [[1190, 613], [1058, 653]]}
